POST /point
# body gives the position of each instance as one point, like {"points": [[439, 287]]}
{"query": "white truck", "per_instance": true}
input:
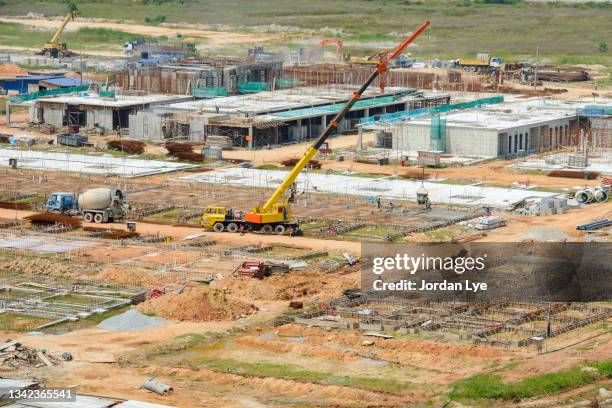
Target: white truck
{"points": [[98, 205]]}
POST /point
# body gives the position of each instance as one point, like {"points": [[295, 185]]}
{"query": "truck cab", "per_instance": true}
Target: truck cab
{"points": [[496, 62], [61, 202], [214, 215]]}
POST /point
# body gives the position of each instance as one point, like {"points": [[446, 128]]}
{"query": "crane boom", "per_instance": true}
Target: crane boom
{"points": [[61, 28], [381, 67]]}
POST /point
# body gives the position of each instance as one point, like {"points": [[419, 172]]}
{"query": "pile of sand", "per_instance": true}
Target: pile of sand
{"points": [[41, 266], [197, 304], [9, 70], [134, 277], [311, 285]]}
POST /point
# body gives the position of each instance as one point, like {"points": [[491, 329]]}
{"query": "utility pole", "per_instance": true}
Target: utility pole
{"points": [[535, 76]]}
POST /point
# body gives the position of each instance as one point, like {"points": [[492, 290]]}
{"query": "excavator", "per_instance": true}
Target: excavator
{"points": [[274, 216], [339, 43], [55, 48]]}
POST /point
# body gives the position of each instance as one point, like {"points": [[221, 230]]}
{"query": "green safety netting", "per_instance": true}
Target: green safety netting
{"points": [[438, 133], [209, 92], [287, 83], [49, 92], [397, 116], [252, 87], [106, 94]]}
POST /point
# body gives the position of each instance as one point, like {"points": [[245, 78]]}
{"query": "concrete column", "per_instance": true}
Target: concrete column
{"points": [[251, 133], [8, 112], [359, 145], [299, 126]]}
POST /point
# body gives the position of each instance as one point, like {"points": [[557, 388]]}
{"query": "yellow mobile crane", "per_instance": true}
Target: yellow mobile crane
{"points": [[274, 216], [55, 48]]}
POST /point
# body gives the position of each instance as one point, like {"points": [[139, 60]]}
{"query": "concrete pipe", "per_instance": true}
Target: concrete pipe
{"points": [[584, 196], [156, 387], [600, 195]]}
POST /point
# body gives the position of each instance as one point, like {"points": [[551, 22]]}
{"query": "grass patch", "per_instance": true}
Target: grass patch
{"points": [[491, 387], [295, 373], [459, 28], [87, 38], [76, 299], [20, 323], [270, 167]]}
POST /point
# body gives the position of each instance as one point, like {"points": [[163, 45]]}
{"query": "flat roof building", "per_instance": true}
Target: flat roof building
{"points": [[498, 130], [90, 110]]}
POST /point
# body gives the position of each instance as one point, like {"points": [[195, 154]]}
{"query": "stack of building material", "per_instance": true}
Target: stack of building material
{"points": [[315, 164], [252, 269], [14, 355], [491, 222], [562, 74], [553, 205], [128, 146], [595, 225], [224, 142]]}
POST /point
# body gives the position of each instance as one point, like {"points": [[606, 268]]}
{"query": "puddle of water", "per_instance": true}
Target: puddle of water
{"points": [[297, 339], [267, 336], [372, 362]]}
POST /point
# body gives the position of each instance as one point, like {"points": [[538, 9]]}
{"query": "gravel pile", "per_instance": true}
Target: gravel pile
{"points": [[545, 234], [131, 320]]}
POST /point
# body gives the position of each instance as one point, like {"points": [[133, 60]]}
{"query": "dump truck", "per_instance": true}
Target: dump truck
{"points": [[274, 215], [99, 205], [483, 62]]}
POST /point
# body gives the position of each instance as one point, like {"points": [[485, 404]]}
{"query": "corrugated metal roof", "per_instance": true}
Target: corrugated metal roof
{"points": [[65, 82], [31, 78]]}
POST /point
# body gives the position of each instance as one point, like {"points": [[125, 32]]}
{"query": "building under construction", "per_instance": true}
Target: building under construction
{"points": [[274, 117], [499, 130], [204, 78]]}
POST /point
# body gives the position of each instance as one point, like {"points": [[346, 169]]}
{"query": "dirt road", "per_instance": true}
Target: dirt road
{"points": [[279, 154], [179, 233], [209, 37], [490, 172]]}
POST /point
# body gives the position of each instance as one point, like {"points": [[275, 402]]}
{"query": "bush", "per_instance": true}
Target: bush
{"points": [[155, 19], [603, 46]]}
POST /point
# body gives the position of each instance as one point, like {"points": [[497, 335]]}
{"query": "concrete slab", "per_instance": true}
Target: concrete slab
{"points": [[386, 187], [80, 163], [41, 244]]}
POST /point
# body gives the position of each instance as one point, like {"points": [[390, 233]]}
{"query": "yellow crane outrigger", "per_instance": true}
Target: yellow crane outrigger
{"points": [[54, 48], [274, 216]]}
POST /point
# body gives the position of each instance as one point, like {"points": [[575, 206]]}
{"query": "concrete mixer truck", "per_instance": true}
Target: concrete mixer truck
{"points": [[98, 205]]}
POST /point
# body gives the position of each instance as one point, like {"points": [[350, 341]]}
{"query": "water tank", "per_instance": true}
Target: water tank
{"points": [[98, 198]]}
